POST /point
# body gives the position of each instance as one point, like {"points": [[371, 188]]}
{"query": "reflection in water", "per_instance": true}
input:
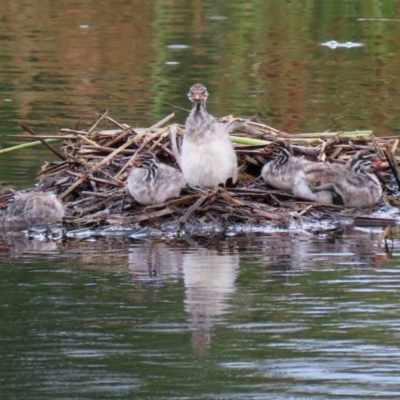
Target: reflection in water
{"points": [[209, 282], [14, 244], [154, 260], [209, 278], [354, 247], [87, 313]]}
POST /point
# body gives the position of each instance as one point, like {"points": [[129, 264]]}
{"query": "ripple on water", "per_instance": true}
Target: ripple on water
{"points": [[87, 381], [337, 370]]}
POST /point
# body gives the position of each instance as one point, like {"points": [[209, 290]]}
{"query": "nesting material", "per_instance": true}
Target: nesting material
{"points": [[94, 164]]}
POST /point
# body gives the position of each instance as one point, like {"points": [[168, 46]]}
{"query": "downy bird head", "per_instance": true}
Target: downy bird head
{"points": [[363, 161], [198, 95], [6, 196], [280, 151], [149, 162]]}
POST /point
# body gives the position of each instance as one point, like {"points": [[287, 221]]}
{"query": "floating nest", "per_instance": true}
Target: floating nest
{"points": [[90, 176]]}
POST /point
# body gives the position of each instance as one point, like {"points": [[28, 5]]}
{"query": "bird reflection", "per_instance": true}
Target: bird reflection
{"points": [[209, 279], [208, 274], [286, 253], [14, 243], [154, 259]]}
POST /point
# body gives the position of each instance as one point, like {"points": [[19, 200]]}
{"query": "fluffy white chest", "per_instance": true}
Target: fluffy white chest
{"points": [[208, 162]]}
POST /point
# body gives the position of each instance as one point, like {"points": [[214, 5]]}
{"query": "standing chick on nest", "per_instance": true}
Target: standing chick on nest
{"points": [[152, 182], [208, 157]]}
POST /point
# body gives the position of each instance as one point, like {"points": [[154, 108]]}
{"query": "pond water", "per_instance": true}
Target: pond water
{"points": [[284, 315]]}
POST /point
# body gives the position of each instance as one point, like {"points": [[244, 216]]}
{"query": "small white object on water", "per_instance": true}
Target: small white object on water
{"points": [[178, 46], [217, 18], [333, 44], [7, 99], [172, 62], [83, 26]]}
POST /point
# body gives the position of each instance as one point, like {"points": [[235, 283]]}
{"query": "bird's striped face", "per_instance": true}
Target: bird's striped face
{"points": [[6, 197], [198, 94], [281, 153], [149, 162], [363, 161]]}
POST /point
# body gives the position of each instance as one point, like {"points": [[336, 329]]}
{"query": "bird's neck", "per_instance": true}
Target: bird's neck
{"points": [[151, 173], [200, 123], [283, 157], [199, 107], [282, 160]]}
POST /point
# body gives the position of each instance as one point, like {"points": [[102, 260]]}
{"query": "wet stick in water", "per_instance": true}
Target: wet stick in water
{"points": [[58, 153], [26, 146]]}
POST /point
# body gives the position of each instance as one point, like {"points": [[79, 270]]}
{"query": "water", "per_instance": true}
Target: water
{"points": [[279, 315]]}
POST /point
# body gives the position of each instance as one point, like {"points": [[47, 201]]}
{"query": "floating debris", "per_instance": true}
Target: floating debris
{"points": [[217, 18], [379, 19], [333, 44], [178, 46]]}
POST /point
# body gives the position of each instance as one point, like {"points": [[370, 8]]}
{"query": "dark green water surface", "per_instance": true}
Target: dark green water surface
{"points": [[274, 316]]}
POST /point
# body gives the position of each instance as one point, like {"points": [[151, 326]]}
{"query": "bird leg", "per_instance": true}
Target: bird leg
{"points": [[337, 194], [48, 233]]}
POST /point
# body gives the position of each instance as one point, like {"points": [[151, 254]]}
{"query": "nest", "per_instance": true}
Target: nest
{"points": [[90, 176]]}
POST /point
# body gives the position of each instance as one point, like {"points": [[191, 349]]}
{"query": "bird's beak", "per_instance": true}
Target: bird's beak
{"points": [[379, 164], [136, 162], [266, 150], [197, 96]]}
